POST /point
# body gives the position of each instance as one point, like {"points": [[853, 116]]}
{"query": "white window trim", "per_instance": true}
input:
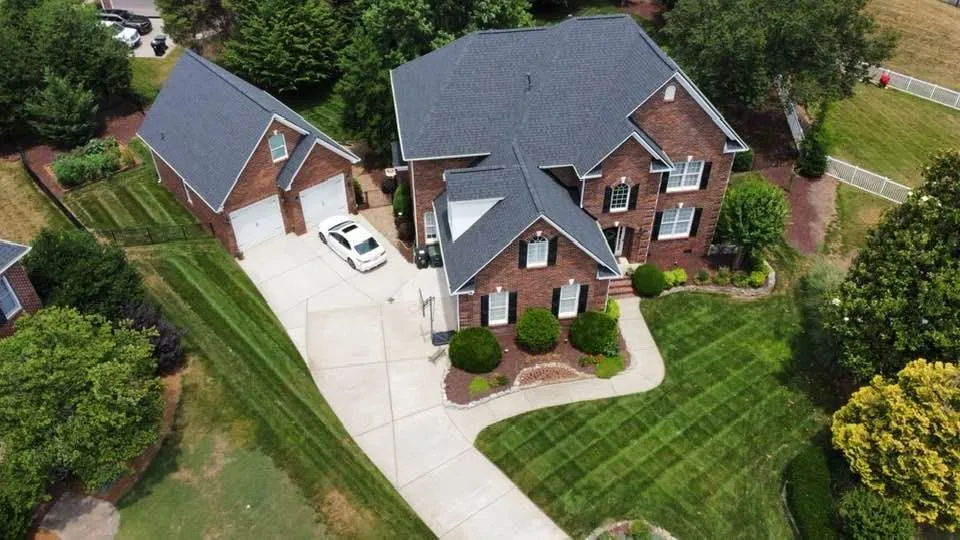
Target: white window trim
{"points": [[546, 252], [186, 191], [576, 302], [675, 235], [670, 93], [430, 238], [4, 283], [506, 308], [285, 153], [684, 174], [626, 201]]}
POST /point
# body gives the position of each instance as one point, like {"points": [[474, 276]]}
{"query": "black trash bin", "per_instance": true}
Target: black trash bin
{"points": [[421, 258], [436, 260], [159, 44]]}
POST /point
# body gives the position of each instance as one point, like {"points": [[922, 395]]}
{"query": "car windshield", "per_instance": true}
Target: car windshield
{"points": [[366, 246]]}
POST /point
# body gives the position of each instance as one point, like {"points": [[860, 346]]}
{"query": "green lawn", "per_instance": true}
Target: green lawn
{"points": [[702, 455], [890, 132], [130, 199], [281, 415], [322, 109], [149, 74], [24, 209], [857, 213], [928, 38]]}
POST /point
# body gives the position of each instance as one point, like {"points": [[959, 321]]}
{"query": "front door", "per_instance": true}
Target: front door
{"points": [[615, 236]]}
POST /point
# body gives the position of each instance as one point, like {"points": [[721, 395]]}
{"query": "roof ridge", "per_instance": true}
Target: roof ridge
{"points": [[204, 62], [447, 80], [509, 30], [537, 203]]}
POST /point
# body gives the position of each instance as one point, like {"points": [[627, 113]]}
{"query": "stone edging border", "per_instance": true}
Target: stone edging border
{"points": [[730, 290], [658, 532]]}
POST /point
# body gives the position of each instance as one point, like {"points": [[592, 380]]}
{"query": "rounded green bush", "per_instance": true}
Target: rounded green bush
{"points": [[593, 333], [537, 330], [865, 514], [648, 280], [475, 350]]}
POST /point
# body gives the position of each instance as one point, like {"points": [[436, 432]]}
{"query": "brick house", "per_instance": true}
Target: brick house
{"points": [[242, 161], [544, 161], [17, 295]]}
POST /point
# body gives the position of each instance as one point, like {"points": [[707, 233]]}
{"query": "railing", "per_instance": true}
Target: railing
{"points": [[919, 88], [847, 173], [866, 180], [142, 236]]}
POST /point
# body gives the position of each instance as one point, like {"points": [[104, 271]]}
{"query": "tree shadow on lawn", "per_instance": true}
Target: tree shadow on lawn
{"points": [[165, 463]]}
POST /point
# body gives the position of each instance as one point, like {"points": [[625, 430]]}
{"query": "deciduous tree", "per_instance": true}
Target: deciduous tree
{"points": [[901, 437], [901, 297], [753, 216], [183, 20]]}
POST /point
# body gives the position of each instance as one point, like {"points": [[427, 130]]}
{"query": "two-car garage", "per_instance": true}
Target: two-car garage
{"points": [[264, 219]]}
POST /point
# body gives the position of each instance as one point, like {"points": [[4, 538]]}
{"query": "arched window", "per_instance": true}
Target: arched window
{"points": [[620, 198], [670, 93], [537, 249]]}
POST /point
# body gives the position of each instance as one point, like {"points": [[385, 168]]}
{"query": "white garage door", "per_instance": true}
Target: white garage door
{"points": [[258, 222], [323, 200]]}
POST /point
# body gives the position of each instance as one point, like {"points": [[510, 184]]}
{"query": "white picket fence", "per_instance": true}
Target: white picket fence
{"points": [[919, 88], [847, 173]]}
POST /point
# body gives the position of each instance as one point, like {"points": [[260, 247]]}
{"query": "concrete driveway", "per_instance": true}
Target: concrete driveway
{"points": [[368, 349]]}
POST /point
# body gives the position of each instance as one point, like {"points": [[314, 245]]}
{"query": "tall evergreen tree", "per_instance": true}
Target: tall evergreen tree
{"points": [[283, 45], [63, 113], [183, 20]]}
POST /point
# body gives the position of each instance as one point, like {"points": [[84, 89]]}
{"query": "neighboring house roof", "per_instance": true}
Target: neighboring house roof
{"points": [[206, 122], [10, 253]]}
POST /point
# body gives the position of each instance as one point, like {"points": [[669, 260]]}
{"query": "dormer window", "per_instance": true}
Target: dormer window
{"points": [[620, 198], [670, 93], [278, 147]]}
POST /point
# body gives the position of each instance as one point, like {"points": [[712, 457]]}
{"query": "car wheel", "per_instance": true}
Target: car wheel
{"points": [[322, 238], [350, 262]]}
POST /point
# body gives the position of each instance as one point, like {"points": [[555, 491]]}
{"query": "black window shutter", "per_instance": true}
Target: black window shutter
{"points": [[512, 308], [552, 251], [705, 175], [655, 234], [696, 221], [3, 318], [523, 254], [664, 178], [634, 192], [582, 303], [607, 193], [555, 304], [484, 310], [628, 242]]}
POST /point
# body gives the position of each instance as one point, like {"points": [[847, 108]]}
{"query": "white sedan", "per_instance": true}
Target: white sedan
{"points": [[127, 36], [352, 243]]}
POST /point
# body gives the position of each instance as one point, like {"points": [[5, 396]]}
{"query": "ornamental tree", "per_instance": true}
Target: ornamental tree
{"points": [[753, 216], [901, 438], [901, 297], [77, 397]]}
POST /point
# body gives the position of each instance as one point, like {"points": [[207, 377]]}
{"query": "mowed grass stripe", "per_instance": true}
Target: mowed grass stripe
{"points": [[678, 455], [130, 199], [247, 350]]}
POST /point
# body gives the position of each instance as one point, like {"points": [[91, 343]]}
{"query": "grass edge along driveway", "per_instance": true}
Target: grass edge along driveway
{"points": [[244, 347], [702, 455]]}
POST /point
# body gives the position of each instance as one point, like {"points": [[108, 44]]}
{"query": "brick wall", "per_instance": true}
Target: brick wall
{"points": [[259, 179], [534, 286], [321, 165], [29, 301], [426, 180]]}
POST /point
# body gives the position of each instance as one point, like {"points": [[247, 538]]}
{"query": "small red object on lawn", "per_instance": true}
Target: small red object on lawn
{"points": [[884, 79]]}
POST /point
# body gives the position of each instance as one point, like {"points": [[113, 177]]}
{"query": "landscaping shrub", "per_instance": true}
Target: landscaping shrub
{"points": [[740, 279], [166, 343], [498, 379], [609, 366], [809, 494], [757, 278], [648, 280], [703, 277], [475, 350], [743, 161], [357, 192], [812, 161], [537, 330], [866, 515], [613, 309], [478, 385], [95, 160], [639, 530], [402, 203], [675, 277], [593, 333], [722, 277]]}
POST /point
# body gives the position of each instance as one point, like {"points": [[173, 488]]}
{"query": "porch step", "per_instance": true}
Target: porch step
{"points": [[621, 287]]}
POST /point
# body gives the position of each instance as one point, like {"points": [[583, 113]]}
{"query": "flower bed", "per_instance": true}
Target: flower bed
{"points": [[520, 369], [96, 160]]}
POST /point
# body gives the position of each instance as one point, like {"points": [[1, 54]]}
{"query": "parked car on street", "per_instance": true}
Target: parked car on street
{"points": [[125, 18], [127, 36], [352, 242]]}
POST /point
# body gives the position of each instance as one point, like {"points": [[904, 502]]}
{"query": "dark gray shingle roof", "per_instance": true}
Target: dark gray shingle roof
{"points": [[10, 253], [206, 122]]}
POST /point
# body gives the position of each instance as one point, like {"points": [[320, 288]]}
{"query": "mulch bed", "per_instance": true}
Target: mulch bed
{"points": [[456, 384]]}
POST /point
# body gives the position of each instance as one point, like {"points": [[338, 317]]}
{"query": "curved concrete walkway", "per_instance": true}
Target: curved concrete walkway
{"points": [[368, 348]]}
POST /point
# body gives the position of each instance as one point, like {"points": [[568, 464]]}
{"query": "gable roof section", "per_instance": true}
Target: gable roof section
{"points": [[206, 123], [10, 253]]}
